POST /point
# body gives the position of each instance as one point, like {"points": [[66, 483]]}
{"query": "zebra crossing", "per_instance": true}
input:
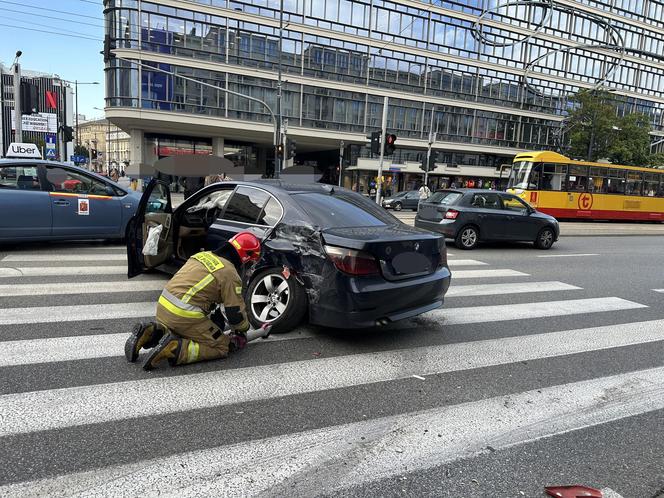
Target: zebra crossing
{"points": [[305, 415]]}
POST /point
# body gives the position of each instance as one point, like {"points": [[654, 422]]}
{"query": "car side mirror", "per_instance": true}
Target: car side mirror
{"points": [[531, 210]]}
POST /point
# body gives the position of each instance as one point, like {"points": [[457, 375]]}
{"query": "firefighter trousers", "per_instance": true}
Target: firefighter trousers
{"points": [[202, 339]]}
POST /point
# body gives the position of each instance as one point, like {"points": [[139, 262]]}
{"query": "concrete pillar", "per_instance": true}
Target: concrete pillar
{"points": [[136, 146], [218, 146]]}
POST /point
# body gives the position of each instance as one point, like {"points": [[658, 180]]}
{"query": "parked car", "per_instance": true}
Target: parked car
{"points": [[470, 216], [407, 199], [329, 254], [46, 200]]}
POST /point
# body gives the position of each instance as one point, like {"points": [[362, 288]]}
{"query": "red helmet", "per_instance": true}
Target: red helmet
{"points": [[247, 245]]}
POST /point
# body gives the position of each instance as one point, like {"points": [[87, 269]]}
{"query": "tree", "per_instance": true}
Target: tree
{"points": [[630, 143], [656, 160], [81, 150], [597, 132], [591, 124]]}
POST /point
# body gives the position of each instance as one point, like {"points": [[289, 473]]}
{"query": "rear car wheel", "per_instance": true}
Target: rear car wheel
{"points": [[467, 238], [397, 206], [545, 238], [275, 299]]}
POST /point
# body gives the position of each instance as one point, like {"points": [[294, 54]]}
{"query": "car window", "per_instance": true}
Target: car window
{"points": [[412, 195], [23, 177], [486, 201], [271, 213], [158, 200], [73, 182], [444, 197], [246, 205], [342, 210], [514, 204], [212, 200]]}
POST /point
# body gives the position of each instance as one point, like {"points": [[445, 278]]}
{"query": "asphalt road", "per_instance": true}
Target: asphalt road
{"points": [[542, 368]]}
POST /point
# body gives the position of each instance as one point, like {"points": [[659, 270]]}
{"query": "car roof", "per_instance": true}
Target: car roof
{"points": [[9, 161], [471, 190]]}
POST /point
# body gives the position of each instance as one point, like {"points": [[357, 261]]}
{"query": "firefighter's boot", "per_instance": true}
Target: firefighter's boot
{"points": [[143, 336], [168, 349]]}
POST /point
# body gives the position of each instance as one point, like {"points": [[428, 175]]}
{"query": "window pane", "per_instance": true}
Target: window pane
{"points": [[19, 177], [245, 205], [578, 178], [634, 183], [486, 201], [62, 180], [342, 210], [553, 177], [271, 214], [514, 204]]}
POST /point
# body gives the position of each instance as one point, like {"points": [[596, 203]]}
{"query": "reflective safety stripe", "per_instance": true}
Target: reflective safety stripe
{"points": [[177, 307], [202, 284], [192, 352], [209, 260], [236, 244]]}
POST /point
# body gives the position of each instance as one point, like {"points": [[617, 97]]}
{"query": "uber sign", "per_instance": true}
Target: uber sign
{"points": [[20, 150]]}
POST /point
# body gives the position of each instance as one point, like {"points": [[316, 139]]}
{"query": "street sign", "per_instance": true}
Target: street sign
{"points": [[50, 153]]}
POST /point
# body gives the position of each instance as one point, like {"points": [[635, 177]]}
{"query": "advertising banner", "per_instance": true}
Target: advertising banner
{"points": [[41, 122]]}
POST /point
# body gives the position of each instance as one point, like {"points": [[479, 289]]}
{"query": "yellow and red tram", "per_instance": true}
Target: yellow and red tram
{"points": [[569, 189]]}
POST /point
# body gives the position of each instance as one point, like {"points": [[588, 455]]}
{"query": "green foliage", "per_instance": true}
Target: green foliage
{"points": [[597, 132], [656, 160], [81, 150]]}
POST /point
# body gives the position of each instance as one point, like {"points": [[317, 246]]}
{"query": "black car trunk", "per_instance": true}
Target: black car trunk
{"points": [[435, 207], [401, 251]]}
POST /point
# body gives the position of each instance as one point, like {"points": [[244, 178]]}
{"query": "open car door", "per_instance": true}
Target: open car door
{"points": [[154, 209]]}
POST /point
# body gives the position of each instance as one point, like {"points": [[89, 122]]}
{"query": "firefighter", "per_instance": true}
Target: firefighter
{"points": [[189, 326]]}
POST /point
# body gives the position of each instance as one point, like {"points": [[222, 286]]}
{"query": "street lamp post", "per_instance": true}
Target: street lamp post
{"points": [[76, 83], [108, 141], [18, 112]]}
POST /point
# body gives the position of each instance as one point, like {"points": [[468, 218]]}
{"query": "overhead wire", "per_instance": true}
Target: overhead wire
{"points": [[69, 35], [5, 9], [44, 9]]}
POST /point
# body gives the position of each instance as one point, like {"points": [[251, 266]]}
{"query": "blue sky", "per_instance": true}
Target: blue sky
{"points": [[62, 53]]}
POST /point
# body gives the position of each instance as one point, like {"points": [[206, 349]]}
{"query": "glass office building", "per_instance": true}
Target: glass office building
{"points": [[490, 78]]}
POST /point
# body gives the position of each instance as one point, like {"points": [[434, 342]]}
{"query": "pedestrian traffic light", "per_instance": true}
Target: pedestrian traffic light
{"points": [[93, 153], [375, 142], [29, 98], [280, 151], [67, 133], [429, 165], [390, 146], [290, 148]]}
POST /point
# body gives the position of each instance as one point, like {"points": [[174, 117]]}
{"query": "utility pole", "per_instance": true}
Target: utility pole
{"points": [[78, 130], [341, 160], [432, 139], [383, 135], [18, 112], [278, 166]]}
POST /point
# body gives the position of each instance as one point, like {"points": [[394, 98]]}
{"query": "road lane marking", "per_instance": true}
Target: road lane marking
{"points": [[78, 313], [465, 262], [565, 255], [65, 257], [507, 289], [53, 271], [66, 288], [487, 274], [67, 407], [503, 312], [344, 456]]}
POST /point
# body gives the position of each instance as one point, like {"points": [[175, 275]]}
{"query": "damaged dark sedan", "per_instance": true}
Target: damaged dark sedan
{"points": [[329, 254]]}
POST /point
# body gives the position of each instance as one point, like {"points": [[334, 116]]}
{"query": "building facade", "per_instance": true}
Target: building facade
{"points": [[110, 142], [491, 79], [53, 112]]}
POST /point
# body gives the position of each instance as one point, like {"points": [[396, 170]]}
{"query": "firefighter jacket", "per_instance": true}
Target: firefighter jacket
{"points": [[203, 282]]}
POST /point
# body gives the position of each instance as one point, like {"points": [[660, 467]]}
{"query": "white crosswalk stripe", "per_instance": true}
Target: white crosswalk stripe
{"points": [[43, 410], [57, 258], [70, 271], [332, 456], [347, 455]]}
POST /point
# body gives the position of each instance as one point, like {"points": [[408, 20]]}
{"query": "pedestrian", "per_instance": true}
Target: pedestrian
{"points": [[424, 192], [193, 184], [124, 180], [114, 175], [189, 326]]}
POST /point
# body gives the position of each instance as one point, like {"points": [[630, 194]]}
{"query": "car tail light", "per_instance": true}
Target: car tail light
{"points": [[451, 214], [351, 261]]}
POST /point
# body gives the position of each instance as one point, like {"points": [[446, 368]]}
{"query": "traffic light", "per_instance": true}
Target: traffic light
{"points": [[93, 153], [29, 98], [108, 46], [390, 146], [67, 133], [431, 165], [290, 148], [280, 151], [375, 142]]}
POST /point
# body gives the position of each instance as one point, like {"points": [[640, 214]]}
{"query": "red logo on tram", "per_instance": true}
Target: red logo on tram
{"points": [[585, 201]]}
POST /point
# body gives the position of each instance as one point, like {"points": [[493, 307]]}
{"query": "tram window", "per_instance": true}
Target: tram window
{"points": [[596, 180], [553, 177], [651, 184], [634, 183], [615, 183], [577, 178]]}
